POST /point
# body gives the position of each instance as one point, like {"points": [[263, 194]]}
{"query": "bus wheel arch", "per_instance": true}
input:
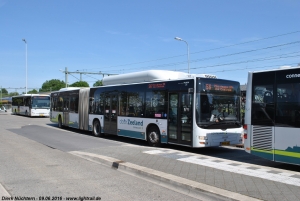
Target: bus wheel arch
{"points": [[96, 129], [153, 135]]}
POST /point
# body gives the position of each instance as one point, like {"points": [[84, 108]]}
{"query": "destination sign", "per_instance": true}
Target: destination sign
{"points": [[156, 85], [218, 87]]}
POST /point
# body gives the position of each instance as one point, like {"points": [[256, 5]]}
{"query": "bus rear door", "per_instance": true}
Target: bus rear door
{"points": [[111, 113], [66, 111]]}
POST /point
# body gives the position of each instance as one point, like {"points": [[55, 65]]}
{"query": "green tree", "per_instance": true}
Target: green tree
{"points": [[13, 94], [80, 84], [4, 91], [33, 92], [98, 83], [52, 85]]}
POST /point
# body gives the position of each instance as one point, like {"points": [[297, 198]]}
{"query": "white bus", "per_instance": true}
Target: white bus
{"points": [[157, 106], [34, 105], [272, 119]]}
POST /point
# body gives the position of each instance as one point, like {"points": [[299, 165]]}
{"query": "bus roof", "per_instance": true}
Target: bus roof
{"points": [[149, 76], [23, 95], [281, 68]]}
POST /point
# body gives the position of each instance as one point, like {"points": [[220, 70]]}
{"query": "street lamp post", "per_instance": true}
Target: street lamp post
{"points": [[26, 64], [188, 51]]}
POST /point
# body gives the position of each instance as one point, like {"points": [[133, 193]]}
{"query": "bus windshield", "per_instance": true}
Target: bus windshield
{"points": [[40, 102], [217, 104]]}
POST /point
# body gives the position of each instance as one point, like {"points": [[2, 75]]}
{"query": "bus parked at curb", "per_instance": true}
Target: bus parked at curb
{"points": [[156, 106], [272, 119], [33, 105]]}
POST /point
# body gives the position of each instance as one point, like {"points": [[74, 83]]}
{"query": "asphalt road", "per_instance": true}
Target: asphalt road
{"points": [[36, 163], [44, 143]]}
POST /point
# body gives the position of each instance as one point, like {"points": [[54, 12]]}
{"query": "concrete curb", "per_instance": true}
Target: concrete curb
{"points": [[180, 184]]}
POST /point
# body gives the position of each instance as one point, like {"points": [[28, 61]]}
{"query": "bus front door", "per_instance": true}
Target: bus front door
{"points": [[111, 114], [180, 119], [66, 110]]}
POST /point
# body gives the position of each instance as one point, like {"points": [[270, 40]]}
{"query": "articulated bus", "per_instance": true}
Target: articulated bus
{"points": [[34, 105], [272, 119], [157, 106]]}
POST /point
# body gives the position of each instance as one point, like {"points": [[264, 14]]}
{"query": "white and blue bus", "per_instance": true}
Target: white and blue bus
{"points": [[157, 106], [34, 105], [272, 118]]}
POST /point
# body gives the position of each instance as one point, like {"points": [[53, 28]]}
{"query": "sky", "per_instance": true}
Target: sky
{"points": [[224, 38]]}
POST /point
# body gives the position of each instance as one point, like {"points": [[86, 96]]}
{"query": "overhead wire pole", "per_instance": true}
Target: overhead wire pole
{"points": [[82, 72], [26, 63], [66, 76]]}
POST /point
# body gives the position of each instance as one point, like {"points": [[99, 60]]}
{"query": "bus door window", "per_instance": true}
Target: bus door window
{"points": [[27, 101], [114, 106], [98, 106], [66, 104], [122, 103], [60, 102], [186, 116], [107, 108], [74, 104], [173, 117], [186, 110]]}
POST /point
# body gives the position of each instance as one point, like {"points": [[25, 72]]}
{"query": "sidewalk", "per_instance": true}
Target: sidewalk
{"points": [[194, 172]]}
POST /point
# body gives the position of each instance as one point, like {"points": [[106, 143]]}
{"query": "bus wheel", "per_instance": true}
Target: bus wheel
{"points": [[153, 136], [97, 129], [59, 122]]}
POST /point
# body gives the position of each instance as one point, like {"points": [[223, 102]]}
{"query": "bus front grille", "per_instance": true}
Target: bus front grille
{"points": [[262, 138]]}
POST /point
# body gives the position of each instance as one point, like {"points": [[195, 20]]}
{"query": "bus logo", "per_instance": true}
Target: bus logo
{"points": [[293, 76]]}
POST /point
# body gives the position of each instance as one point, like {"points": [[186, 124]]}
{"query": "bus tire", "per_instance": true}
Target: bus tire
{"points": [[97, 129], [59, 122], [153, 136]]}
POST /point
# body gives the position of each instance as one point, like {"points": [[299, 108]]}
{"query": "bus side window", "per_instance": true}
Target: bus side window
{"points": [[268, 97]]}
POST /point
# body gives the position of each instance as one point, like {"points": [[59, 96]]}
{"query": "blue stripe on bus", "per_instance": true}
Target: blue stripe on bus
{"points": [[74, 125], [163, 139], [132, 134], [277, 157], [287, 159], [268, 156]]}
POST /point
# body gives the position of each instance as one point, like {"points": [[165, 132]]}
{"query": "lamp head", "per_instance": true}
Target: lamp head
{"points": [[177, 38]]}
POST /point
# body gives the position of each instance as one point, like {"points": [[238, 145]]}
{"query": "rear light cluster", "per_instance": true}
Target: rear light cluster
{"points": [[245, 131]]}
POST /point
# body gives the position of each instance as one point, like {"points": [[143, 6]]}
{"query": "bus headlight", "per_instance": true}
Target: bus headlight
{"points": [[202, 138]]}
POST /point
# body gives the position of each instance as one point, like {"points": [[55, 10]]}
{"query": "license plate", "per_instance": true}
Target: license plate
{"points": [[41, 115], [225, 143]]}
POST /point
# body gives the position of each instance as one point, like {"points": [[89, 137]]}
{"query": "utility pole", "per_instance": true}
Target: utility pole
{"points": [[1, 94], [66, 76]]}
